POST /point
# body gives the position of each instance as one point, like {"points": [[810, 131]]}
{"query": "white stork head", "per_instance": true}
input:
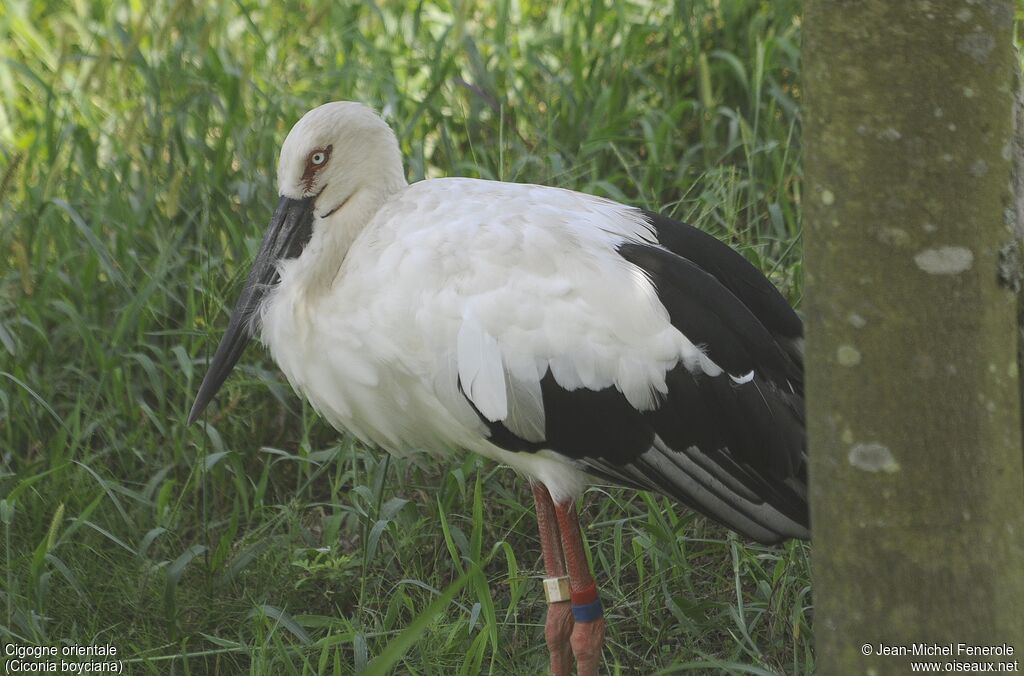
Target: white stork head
{"points": [[336, 150], [337, 165]]}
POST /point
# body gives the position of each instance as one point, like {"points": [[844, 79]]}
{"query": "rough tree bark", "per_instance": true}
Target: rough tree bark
{"points": [[912, 274]]}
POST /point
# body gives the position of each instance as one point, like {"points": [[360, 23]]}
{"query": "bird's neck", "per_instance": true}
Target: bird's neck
{"points": [[317, 268]]}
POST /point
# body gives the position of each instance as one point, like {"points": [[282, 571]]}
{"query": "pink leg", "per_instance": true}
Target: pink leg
{"points": [[588, 629], [558, 626]]}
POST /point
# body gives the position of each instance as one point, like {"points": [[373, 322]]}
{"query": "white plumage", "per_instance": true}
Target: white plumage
{"points": [[435, 287]]}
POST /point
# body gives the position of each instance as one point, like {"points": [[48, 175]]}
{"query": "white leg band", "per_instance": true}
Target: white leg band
{"points": [[556, 589]]}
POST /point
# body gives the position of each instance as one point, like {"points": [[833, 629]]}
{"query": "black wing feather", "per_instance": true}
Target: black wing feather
{"points": [[732, 270], [711, 315]]}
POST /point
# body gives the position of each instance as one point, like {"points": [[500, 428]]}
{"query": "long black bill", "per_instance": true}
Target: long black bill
{"points": [[288, 232]]}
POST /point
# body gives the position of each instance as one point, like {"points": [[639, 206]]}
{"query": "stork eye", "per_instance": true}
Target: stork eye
{"points": [[315, 161]]}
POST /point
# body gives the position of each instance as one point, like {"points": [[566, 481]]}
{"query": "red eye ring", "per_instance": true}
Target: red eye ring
{"points": [[315, 161]]}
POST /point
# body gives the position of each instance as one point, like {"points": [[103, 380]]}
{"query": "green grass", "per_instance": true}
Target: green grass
{"points": [[138, 143]]}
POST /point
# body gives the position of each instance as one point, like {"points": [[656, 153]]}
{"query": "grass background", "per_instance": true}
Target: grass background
{"points": [[138, 142]]}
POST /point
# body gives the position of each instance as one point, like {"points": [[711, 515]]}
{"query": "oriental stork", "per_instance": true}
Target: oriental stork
{"points": [[570, 337]]}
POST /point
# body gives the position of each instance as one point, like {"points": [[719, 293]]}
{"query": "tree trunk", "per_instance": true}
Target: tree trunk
{"points": [[912, 273]]}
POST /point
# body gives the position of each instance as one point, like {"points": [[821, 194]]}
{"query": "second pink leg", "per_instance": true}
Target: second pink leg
{"points": [[588, 630]]}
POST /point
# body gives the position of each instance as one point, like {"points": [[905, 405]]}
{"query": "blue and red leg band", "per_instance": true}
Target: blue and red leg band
{"points": [[586, 607]]}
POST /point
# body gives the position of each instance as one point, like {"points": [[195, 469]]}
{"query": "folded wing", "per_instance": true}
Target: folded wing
{"points": [[668, 363]]}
